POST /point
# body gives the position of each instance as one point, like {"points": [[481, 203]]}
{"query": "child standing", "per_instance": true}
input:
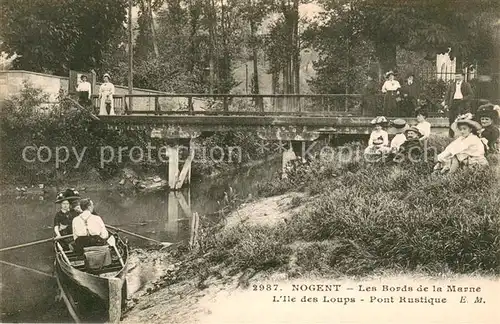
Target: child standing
{"points": [[466, 150]]}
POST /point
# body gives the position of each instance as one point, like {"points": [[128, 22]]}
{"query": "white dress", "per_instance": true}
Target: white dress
{"points": [[106, 91]]}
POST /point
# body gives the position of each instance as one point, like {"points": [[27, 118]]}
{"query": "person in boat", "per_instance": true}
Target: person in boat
{"points": [[466, 151], [88, 229], [64, 217]]}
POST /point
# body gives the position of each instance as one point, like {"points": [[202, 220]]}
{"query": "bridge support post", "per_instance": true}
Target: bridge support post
{"points": [[175, 216], [287, 156], [173, 164]]}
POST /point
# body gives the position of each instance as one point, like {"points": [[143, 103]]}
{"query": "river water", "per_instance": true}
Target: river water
{"points": [[26, 296]]}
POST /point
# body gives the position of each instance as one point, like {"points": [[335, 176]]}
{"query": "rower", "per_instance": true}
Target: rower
{"points": [[91, 237], [88, 229]]}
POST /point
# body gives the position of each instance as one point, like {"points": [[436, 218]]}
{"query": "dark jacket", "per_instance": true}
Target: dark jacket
{"points": [[412, 91], [491, 133], [466, 89]]}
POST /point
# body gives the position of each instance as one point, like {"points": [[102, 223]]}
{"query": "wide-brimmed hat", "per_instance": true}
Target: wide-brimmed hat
{"points": [[468, 121], [83, 76], [398, 123], [391, 72], [106, 75], [69, 195], [379, 120], [415, 130], [489, 111]]}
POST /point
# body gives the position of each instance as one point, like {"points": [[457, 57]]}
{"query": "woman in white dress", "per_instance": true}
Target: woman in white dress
{"points": [[106, 92], [390, 89]]}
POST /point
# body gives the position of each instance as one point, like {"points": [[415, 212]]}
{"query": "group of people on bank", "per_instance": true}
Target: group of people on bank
{"points": [[403, 99], [408, 141], [106, 93], [478, 136], [77, 218]]}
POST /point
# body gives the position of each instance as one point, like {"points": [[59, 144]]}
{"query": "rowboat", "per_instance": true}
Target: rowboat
{"points": [[93, 295]]}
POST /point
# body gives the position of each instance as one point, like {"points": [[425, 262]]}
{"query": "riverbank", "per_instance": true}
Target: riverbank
{"points": [[126, 180], [331, 221]]}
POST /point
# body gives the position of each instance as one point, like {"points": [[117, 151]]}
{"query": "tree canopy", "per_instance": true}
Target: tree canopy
{"points": [[56, 36]]}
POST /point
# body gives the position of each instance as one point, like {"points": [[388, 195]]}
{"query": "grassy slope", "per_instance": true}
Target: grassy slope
{"points": [[351, 219], [360, 218]]}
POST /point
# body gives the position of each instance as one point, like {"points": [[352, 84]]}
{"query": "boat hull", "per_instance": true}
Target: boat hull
{"points": [[89, 297]]}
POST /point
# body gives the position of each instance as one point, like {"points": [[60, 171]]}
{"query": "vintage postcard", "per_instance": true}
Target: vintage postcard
{"points": [[250, 161]]}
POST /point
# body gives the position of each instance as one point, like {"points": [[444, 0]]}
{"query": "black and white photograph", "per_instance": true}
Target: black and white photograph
{"points": [[250, 161]]}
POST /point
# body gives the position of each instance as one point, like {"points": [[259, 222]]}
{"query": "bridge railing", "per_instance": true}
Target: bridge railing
{"points": [[237, 104]]}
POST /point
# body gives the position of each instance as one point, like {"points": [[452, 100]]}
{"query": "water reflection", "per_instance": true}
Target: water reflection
{"points": [[30, 297]]}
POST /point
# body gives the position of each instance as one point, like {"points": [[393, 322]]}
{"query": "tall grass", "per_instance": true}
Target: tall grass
{"points": [[361, 218]]}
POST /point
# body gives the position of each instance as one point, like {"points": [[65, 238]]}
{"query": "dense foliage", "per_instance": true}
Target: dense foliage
{"points": [[55, 36], [199, 45], [28, 121]]}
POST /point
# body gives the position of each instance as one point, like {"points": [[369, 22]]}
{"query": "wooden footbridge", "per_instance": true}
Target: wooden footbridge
{"points": [[290, 117]]}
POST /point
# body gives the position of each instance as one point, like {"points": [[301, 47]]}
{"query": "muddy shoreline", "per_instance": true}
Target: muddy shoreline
{"points": [[177, 295]]}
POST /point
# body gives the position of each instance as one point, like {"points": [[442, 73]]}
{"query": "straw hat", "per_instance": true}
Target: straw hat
{"points": [[467, 120], [379, 120], [399, 123], [106, 75], [388, 73], [415, 130]]}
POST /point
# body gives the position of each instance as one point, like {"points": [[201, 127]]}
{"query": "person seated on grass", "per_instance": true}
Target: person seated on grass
{"points": [[389, 153], [399, 138], [422, 124], [489, 117], [88, 229], [412, 148], [465, 151], [379, 139]]}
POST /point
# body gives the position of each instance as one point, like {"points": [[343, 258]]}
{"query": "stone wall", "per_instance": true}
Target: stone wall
{"points": [[11, 83]]}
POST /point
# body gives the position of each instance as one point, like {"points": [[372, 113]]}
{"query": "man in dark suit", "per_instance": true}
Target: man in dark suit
{"points": [[457, 99], [410, 91]]}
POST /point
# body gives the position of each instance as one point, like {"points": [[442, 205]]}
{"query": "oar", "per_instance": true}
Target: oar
{"points": [[137, 235], [26, 268], [35, 243], [112, 242]]}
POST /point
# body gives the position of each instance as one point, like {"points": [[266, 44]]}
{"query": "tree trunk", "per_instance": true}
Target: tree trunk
{"points": [[212, 51], [255, 59], [193, 21], [296, 53], [386, 54], [153, 31]]}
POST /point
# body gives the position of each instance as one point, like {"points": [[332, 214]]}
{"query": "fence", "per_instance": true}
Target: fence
{"points": [[278, 104]]}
